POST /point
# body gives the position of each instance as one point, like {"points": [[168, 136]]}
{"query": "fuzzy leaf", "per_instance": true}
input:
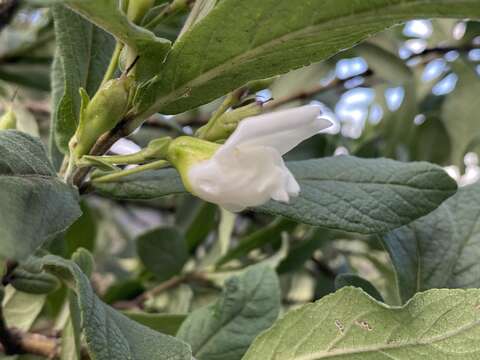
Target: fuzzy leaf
{"points": [[347, 193], [37, 204], [350, 325]]}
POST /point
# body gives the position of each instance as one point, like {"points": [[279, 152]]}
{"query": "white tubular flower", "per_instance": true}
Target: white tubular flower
{"points": [[248, 170]]}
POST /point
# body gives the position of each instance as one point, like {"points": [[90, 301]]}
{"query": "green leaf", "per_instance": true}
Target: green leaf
{"points": [[351, 194], [197, 221], [439, 324], [109, 334], [40, 205], [57, 80], [82, 233], [428, 135], [83, 55], [163, 251], [364, 195], [440, 250], [344, 280], [21, 309], [145, 186], [164, 323], [244, 40], [71, 344], [267, 235], [384, 63], [223, 331], [300, 253], [108, 15], [460, 111], [201, 8], [27, 75]]}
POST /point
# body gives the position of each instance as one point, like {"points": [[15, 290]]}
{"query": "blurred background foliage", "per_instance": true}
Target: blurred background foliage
{"points": [[410, 93]]}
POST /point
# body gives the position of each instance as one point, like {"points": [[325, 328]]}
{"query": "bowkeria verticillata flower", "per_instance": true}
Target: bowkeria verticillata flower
{"points": [[248, 170]]}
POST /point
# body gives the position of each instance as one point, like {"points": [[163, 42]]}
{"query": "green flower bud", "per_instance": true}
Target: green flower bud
{"points": [[186, 151], [8, 120], [222, 127], [101, 114], [138, 8], [33, 283]]}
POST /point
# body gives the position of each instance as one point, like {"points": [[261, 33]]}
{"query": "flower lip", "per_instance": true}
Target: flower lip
{"points": [[282, 130], [248, 170]]}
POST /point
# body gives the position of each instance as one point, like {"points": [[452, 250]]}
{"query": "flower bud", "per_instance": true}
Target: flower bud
{"points": [[185, 152], [101, 114], [8, 120], [138, 8]]}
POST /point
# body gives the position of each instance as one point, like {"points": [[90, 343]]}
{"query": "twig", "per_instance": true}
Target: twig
{"points": [[318, 89], [20, 342], [443, 50], [140, 299], [167, 285]]}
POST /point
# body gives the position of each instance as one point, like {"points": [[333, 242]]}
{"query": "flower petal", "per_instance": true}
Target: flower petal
{"points": [[249, 177], [281, 130]]}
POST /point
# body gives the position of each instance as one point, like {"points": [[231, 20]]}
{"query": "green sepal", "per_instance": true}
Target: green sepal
{"points": [[186, 151]]}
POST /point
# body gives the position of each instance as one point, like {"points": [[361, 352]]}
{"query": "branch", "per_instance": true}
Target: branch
{"points": [[14, 342], [33, 344], [318, 89], [443, 50], [137, 303]]}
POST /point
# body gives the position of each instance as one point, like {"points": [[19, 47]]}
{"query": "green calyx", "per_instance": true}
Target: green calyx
{"points": [[8, 120], [186, 151], [221, 127], [100, 114]]}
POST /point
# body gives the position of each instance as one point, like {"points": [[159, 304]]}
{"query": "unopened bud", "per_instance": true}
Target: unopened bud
{"points": [[101, 114]]}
